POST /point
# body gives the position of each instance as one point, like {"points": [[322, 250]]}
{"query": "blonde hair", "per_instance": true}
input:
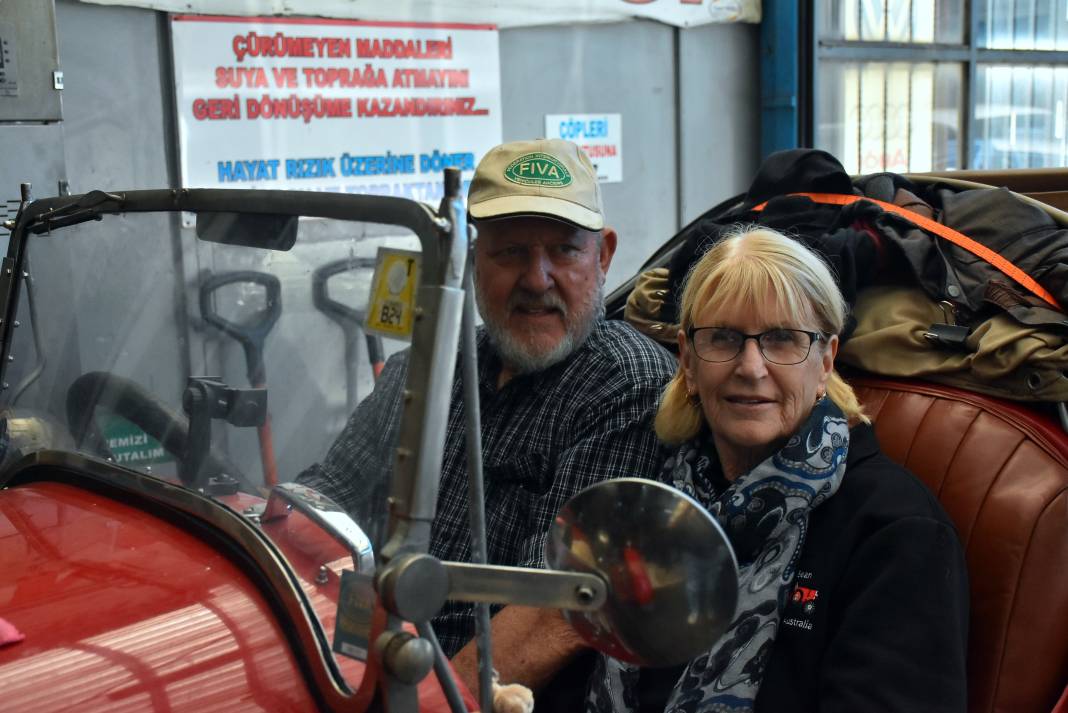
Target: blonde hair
{"points": [[757, 268]]}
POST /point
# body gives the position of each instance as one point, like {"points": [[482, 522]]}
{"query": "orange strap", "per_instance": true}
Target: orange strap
{"points": [[959, 239]]}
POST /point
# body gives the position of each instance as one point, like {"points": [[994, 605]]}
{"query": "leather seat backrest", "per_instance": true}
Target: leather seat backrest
{"points": [[1000, 471]]}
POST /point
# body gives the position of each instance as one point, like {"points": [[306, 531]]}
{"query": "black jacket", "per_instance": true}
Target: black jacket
{"points": [[879, 616], [878, 620]]}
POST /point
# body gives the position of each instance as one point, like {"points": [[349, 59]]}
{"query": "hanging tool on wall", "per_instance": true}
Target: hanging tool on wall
{"points": [[252, 336], [351, 321]]}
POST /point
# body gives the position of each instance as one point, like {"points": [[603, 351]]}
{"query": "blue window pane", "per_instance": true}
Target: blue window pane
{"points": [[1045, 37], [1020, 117], [921, 21], [1022, 24]]}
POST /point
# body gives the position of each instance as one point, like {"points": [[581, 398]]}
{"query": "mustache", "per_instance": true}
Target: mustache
{"points": [[521, 299]]}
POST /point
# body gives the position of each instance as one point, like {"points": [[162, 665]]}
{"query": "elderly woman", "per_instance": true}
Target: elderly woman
{"points": [[853, 590]]}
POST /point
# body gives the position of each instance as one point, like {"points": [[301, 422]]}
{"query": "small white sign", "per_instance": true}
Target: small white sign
{"points": [[599, 135]]}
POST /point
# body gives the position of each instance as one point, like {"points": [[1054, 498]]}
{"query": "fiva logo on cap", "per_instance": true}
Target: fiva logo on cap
{"points": [[538, 169]]}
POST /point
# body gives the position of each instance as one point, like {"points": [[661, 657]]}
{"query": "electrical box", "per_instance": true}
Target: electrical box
{"points": [[31, 81]]}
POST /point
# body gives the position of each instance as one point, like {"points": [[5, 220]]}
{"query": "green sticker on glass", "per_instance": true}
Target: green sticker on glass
{"points": [[131, 446]]}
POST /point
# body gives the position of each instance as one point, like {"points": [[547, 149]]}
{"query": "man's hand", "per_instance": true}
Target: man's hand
{"points": [[529, 646]]}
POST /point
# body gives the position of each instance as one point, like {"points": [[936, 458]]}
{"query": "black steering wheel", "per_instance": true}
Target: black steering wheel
{"points": [[137, 405]]}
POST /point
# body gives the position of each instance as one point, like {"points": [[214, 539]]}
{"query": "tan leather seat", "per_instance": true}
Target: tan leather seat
{"points": [[1001, 472]]}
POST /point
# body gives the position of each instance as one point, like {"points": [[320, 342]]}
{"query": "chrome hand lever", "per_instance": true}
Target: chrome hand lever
{"points": [[326, 514]]}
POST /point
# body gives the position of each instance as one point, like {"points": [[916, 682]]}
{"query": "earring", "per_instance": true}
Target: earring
{"points": [[819, 397], [693, 398]]}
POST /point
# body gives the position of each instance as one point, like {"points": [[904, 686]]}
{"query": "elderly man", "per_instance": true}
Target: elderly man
{"points": [[567, 397]]}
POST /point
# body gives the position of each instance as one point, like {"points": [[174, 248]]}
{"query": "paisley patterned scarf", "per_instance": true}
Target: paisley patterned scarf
{"points": [[765, 516]]}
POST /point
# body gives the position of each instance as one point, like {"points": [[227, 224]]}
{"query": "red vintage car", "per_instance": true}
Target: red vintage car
{"points": [[143, 567], [150, 558], [150, 561]]}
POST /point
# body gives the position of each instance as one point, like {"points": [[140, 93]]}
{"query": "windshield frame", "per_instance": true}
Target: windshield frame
{"points": [[444, 254], [443, 237]]}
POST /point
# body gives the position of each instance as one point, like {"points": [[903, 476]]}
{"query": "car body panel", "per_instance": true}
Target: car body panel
{"points": [[122, 610]]}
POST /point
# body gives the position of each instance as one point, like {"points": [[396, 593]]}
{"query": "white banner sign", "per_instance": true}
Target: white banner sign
{"points": [[599, 135], [512, 13], [333, 105]]}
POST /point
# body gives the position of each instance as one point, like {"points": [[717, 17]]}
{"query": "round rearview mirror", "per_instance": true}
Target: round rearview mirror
{"points": [[671, 573]]}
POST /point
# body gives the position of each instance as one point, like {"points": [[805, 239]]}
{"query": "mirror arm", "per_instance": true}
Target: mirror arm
{"points": [[544, 588], [415, 586]]}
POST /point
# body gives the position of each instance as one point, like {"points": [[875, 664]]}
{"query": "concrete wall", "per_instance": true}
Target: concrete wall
{"points": [[627, 69], [117, 98], [689, 100], [719, 127]]}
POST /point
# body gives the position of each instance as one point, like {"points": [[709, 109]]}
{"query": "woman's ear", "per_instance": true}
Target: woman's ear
{"points": [[832, 348], [827, 360]]}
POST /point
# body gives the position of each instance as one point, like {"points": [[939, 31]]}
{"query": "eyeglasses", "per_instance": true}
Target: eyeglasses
{"points": [[779, 346]]}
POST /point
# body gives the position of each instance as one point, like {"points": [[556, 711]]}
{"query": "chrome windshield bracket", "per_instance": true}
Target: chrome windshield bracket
{"points": [[327, 514]]}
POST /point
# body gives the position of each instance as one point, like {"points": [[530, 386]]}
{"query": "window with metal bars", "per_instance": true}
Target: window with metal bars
{"points": [[926, 85]]}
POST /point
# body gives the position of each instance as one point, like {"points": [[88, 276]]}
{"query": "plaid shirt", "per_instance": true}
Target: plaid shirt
{"points": [[545, 436]]}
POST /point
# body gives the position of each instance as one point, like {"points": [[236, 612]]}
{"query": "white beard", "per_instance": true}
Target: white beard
{"points": [[518, 355]]}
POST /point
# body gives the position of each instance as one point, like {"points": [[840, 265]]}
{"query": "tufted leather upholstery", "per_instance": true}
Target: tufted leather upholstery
{"points": [[1001, 472]]}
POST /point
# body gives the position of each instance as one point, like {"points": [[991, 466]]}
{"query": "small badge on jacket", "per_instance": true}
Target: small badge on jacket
{"points": [[802, 604]]}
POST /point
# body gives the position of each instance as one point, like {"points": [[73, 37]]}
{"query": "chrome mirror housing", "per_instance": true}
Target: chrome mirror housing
{"points": [[671, 573]]}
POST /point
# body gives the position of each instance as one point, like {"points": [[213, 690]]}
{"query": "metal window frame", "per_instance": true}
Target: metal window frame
{"points": [[800, 91]]}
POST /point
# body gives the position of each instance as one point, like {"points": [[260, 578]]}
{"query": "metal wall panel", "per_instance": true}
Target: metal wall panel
{"points": [[689, 140], [719, 133], [30, 153], [618, 68], [114, 137], [117, 128], [28, 58]]}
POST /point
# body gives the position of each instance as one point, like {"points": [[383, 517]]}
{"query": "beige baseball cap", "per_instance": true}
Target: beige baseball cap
{"points": [[549, 177]]}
